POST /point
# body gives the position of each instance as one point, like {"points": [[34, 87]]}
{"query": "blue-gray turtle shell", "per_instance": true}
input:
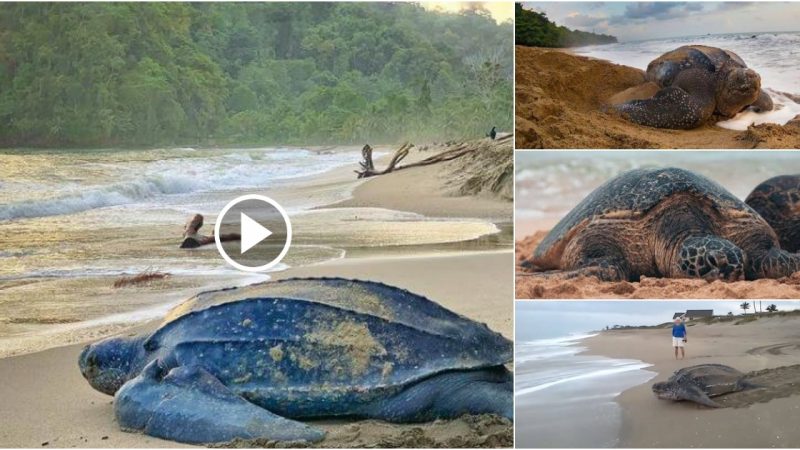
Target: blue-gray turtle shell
{"points": [[635, 192], [306, 347]]}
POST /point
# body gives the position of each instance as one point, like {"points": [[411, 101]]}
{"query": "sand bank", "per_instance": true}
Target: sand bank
{"points": [[755, 418], [530, 287], [559, 98]]}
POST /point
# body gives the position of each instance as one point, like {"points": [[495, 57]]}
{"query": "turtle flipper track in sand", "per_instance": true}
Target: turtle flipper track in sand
{"points": [[779, 382], [787, 348]]}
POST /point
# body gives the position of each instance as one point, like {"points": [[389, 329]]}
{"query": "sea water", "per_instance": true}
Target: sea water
{"points": [[74, 221], [550, 184], [775, 56], [564, 398]]}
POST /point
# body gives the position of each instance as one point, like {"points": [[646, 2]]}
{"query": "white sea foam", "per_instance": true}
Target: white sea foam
{"points": [[127, 182]]}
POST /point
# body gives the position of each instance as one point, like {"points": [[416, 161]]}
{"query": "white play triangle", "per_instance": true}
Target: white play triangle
{"points": [[252, 233]]}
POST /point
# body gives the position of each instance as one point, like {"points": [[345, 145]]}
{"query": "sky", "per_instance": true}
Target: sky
{"points": [[500, 10], [635, 21], [548, 319]]}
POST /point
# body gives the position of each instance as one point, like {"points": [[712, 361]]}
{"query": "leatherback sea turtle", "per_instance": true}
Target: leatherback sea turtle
{"points": [[696, 81], [778, 202], [662, 223], [701, 382], [241, 363]]}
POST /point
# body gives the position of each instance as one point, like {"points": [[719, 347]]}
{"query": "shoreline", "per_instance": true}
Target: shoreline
{"points": [[752, 346], [560, 97]]}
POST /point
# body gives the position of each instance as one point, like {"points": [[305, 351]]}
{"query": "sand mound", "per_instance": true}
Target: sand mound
{"points": [[559, 99], [528, 287], [486, 171], [483, 431]]}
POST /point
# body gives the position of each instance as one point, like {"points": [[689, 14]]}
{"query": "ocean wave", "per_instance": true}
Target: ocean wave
{"points": [[233, 170], [599, 373]]}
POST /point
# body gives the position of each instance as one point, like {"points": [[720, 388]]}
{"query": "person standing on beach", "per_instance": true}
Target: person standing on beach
{"points": [[679, 337]]}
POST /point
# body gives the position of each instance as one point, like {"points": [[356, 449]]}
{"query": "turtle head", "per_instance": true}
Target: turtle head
{"points": [[739, 89], [666, 390], [110, 363]]}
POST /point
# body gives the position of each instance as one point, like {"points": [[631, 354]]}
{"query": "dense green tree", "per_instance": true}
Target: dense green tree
{"points": [[99, 74], [536, 30]]}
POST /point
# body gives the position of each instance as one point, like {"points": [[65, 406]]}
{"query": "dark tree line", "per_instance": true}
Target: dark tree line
{"points": [[536, 30], [99, 74]]}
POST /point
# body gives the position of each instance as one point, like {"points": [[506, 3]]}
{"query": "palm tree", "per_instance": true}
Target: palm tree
{"points": [[772, 308], [745, 306]]}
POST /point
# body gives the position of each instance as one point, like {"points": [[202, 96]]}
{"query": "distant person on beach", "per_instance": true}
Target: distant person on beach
{"points": [[679, 337]]}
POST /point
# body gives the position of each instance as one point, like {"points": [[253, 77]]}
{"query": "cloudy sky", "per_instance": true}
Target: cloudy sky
{"points": [[633, 21]]}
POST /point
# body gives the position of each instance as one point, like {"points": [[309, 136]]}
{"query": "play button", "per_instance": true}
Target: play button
{"points": [[253, 233]]}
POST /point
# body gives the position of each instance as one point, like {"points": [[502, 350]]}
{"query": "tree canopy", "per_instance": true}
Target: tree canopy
{"points": [[536, 30], [106, 74]]}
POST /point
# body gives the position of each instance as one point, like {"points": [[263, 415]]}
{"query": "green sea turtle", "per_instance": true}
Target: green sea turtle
{"points": [[701, 382], [695, 82], [247, 362], [778, 202], [666, 222]]}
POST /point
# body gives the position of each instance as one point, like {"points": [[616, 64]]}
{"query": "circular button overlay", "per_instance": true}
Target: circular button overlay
{"points": [[265, 230]]}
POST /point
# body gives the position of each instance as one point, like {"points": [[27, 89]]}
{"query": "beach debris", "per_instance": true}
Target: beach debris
{"points": [[462, 149], [627, 229], [144, 277], [193, 238], [315, 347]]}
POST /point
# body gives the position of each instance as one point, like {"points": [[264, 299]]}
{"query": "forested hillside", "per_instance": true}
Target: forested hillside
{"points": [[536, 30], [113, 74]]}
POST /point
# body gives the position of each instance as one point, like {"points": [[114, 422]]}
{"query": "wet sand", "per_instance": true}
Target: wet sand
{"points": [[759, 418], [46, 402], [560, 96], [532, 287]]}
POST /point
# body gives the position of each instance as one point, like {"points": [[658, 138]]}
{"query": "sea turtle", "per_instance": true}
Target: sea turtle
{"points": [[694, 82], [664, 222], [701, 382], [778, 202], [241, 363]]}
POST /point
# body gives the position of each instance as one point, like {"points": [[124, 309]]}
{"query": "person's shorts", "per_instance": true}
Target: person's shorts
{"points": [[677, 342]]}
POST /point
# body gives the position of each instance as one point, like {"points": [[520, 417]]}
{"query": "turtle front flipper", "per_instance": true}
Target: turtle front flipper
{"points": [[671, 107], [188, 404], [763, 103], [695, 394], [685, 104]]}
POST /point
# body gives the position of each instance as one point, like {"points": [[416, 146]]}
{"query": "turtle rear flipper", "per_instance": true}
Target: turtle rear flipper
{"points": [[188, 404]]}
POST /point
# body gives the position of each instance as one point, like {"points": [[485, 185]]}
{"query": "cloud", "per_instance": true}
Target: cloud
{"points": [[647, 11], [576, 19]]}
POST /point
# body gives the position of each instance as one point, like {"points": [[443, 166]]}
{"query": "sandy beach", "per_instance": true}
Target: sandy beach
{"points": [[48, 403], [532, 287], [559, 98], [760, 418]]}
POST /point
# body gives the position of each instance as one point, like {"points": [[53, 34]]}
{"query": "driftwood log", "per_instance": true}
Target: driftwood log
{"points": [[368, 167], [193, 238]]}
